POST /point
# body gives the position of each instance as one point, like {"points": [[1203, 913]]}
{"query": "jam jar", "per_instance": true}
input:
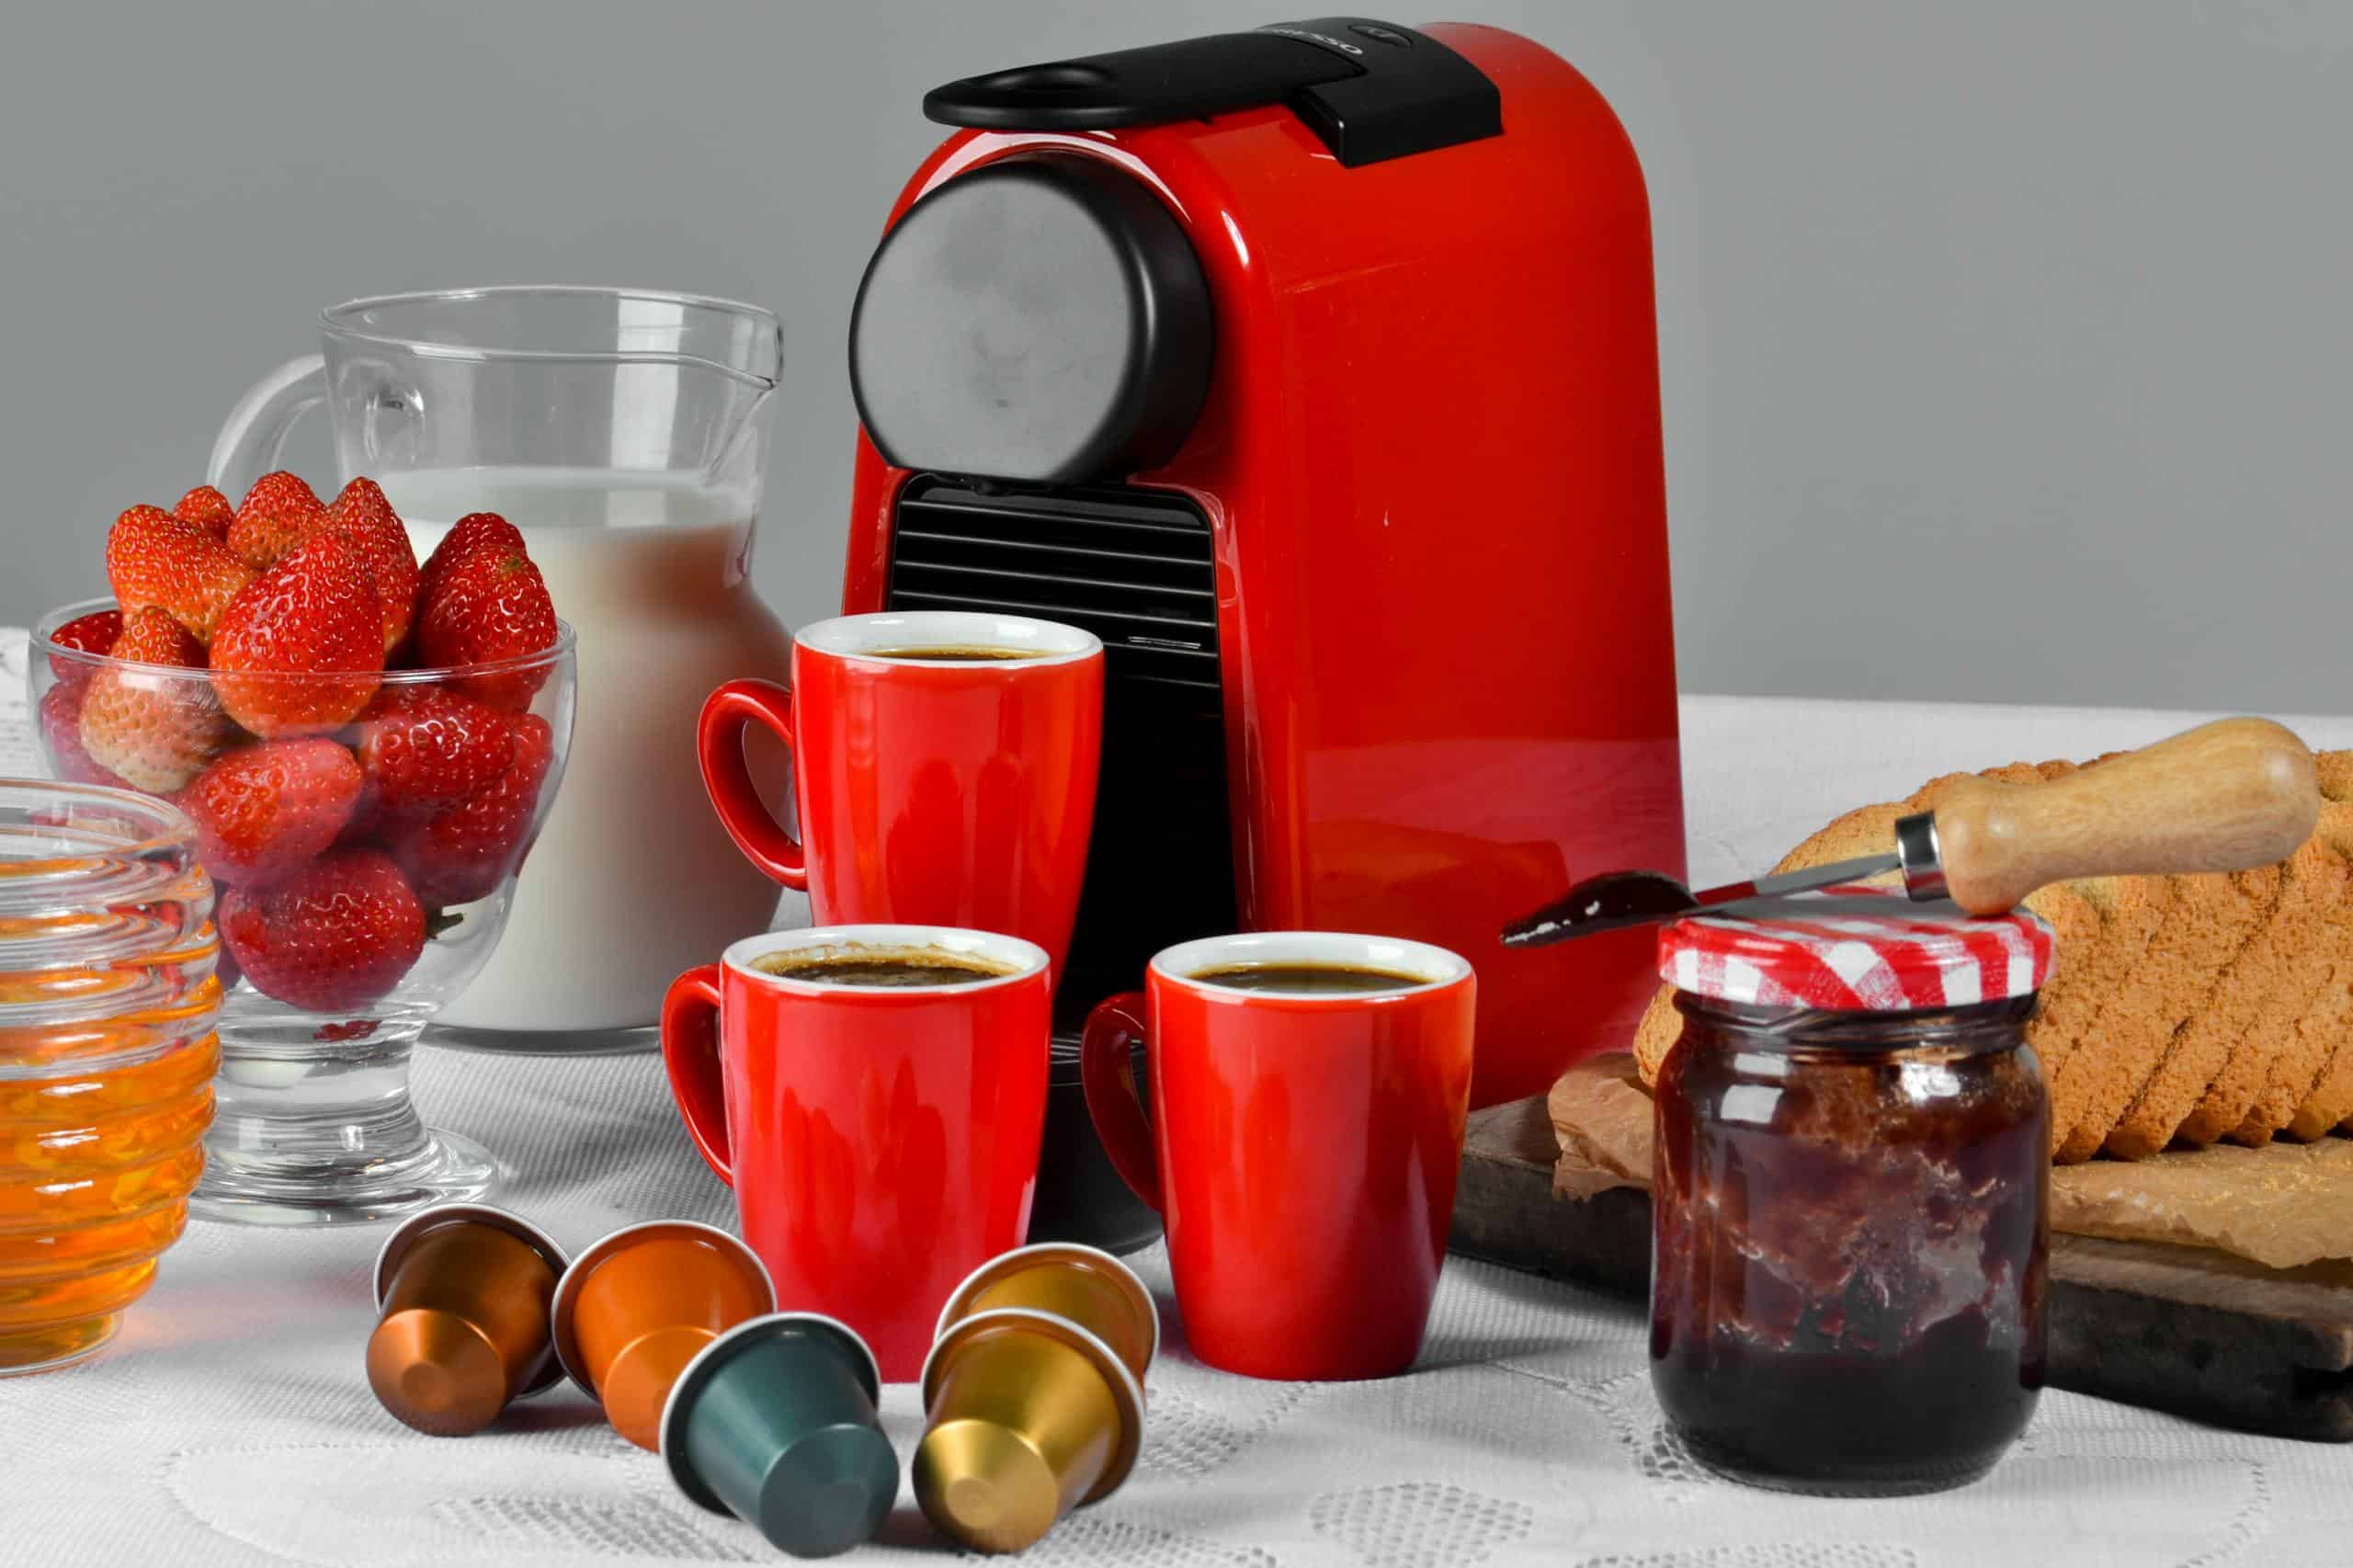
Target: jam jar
{"points": [[1850, 1186]]}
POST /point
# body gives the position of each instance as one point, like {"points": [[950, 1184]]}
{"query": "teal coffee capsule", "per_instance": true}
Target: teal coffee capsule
{"points": [[774, 1423]]}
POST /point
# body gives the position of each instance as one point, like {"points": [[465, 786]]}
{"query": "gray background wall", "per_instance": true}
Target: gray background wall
{"points": [[2007, 345]]}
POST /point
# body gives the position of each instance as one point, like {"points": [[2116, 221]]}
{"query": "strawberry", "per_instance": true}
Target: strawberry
{"points": [[469, 533], [261, 811], [333, 936], [489, 603], [315, 611], [208, 509], [61, 733], [154, 557], [464, 853], [370, 827], [276, 514], [92, 634], [366, 519], [424, 748], [153, 728]]}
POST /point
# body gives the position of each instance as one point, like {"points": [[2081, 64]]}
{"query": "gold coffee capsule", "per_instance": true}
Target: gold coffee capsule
{"points": [[636, 1307], [461, 1329], [1029, 1416], [1090, 1287]]}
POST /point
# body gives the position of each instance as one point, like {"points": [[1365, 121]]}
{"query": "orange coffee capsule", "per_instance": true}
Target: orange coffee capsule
{"points": [[1088, 1286], [461, 1329], [1029, 1416], [636, 1307]]}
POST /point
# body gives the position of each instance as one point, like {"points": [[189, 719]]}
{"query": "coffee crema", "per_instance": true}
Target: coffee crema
{"points": [[1311, 979], [961, 653], [889, 968]]}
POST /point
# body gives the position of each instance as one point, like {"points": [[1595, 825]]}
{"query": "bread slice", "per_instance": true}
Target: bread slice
{"points": [[2212, 921], [1656, 1034], [2080, 915], [2324, 1035], [2092, 966], [2306, 1043], [2221, 1054], [2276, 1066], [2103, 925], [2330, 1104]]}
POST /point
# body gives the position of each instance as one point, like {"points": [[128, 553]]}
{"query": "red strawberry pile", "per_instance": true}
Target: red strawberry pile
{"points": [[339, 812]]}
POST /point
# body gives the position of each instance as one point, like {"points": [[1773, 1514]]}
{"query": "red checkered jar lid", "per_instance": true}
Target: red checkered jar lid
{"points": [[1854, 949]]}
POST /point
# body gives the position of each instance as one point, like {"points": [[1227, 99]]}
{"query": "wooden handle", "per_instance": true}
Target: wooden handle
{"points": [[2227, 796]]}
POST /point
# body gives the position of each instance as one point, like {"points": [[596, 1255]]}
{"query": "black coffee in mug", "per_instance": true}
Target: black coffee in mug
{"points": [[891, 967], [960, 653], [1312, 979]]}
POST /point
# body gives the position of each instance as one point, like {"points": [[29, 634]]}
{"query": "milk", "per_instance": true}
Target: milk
{"points": [[633, 881]]}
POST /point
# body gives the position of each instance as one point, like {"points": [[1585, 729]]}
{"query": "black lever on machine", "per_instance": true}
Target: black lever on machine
{"points": [[1141, 86], [1369, 90]]}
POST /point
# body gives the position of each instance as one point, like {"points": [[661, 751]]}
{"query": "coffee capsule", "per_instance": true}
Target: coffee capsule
{"points": [[462, 1317], [1090, 1287], [636, 1308], [1029, 1416], [774, 1423]]}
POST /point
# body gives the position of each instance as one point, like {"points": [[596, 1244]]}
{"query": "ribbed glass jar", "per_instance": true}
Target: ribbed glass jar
{"points": [[107, 1055]]}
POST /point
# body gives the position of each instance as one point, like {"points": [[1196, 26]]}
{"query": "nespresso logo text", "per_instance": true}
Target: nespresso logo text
{"points": [[1324, 39]]}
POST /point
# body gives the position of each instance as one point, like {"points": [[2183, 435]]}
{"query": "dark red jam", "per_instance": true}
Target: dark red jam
{"points": [[1849, 1244]]}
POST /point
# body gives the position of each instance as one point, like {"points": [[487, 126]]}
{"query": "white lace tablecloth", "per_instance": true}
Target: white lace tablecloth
{"points": [[229, 1423]]}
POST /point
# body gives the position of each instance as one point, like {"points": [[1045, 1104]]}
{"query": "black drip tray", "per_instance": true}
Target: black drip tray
{"points": [[1138, 568], [1080, 1197]]}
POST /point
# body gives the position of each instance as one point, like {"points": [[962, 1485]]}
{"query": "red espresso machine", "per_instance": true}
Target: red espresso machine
{"points": [[1315, 371]]}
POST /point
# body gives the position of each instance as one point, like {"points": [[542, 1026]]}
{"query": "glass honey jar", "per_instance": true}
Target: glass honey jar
{"points": [[1851, 1186], [106, 1054]]}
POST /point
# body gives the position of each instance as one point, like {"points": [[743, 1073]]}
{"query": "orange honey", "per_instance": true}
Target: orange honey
{"points": [[107, 1053]]}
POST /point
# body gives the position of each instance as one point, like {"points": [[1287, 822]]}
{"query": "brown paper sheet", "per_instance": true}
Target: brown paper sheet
{"points": [[2283, 1205]]}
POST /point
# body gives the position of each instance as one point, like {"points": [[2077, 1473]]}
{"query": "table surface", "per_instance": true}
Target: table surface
{"points": [[229, 1423]]}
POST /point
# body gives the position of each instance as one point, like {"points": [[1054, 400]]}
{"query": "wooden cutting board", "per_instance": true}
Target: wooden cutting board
{"points": [[2186, 1329]]}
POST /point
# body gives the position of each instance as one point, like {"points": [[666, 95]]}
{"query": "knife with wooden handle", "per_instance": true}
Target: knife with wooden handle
{"points": [[2227, 796]]}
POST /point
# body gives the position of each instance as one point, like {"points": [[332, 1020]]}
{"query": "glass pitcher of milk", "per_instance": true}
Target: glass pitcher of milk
{"points": [[624, 432]]}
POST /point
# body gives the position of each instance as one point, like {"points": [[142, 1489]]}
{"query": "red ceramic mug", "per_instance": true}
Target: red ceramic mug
{"points": [[939, 790], [1303, 1146], [881, 1140]]}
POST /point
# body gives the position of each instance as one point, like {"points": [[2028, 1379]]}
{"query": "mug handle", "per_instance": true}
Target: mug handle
{"points": [[1106, 1053], [690, 1054], [719, 740], [255, 433]]}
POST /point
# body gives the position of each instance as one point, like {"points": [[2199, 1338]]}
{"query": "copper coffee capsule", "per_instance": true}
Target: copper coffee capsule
{"points": [[637, 1306], [1090, 1287], [1030, 1417], [461, 1330]]}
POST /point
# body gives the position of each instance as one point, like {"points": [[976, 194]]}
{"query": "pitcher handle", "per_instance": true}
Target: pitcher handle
{"points": [[255, 430]]}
